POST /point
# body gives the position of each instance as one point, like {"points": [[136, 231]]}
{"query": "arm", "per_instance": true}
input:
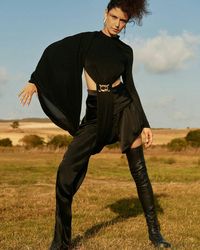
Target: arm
{"points": [[57, 78], [128, 79]]}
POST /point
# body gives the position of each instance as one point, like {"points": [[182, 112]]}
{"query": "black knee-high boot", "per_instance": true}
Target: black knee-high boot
{"points": [[138, 171]]}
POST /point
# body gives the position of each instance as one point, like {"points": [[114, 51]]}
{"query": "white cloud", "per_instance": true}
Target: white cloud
{"points": [[166, 53]]}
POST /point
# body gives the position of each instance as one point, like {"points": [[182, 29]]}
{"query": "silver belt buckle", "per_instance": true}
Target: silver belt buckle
{"points": [[104, 88]]}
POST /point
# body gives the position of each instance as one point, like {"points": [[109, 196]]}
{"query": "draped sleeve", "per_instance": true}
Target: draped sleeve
{"points": [[58, 78], [128, 79]]}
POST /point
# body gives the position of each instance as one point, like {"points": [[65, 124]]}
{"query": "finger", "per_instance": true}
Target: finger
{"points": [[151, 138], [29, 100], [25, 97], [21, 92], [148, 141], [24, 100], [146, 137], [147, 145]]}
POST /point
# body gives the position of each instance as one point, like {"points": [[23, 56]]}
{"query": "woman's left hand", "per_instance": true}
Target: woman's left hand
{"points": [[148, 137]]}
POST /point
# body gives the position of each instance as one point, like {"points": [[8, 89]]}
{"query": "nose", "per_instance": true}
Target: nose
{"points": [[117, 23]]}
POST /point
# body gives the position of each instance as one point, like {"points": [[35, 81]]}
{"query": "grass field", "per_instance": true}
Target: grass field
{"points": [[107, 213]]}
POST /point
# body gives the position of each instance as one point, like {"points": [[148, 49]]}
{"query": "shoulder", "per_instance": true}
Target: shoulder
{"points": [[81, 35], [73, 40], [126, 46], [76, 37], [128, 51]]}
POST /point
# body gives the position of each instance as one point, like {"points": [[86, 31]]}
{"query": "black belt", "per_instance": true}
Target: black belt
{"points": [[106, 88]]}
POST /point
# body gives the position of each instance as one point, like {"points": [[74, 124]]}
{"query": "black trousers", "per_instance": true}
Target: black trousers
{"points": [[73, 168]]}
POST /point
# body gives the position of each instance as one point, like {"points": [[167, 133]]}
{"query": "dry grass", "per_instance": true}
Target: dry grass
{"points": [[107, 213], [46, 129], [163, 136], [43, 129]]}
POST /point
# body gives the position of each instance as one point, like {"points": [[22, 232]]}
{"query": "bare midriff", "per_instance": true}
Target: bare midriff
{"points": [[91, 85]]}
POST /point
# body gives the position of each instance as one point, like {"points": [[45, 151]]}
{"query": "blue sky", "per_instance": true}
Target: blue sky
{"points": [[166, 53]]}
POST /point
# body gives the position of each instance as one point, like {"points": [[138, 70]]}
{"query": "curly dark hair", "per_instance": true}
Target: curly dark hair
{"points": [[135, 9]]}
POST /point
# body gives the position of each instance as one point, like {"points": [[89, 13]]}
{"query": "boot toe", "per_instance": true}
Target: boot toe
{"points": [[159, 241], [161, 244]]}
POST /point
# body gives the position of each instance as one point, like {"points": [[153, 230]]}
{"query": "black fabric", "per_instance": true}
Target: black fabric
{"points": [[105, 63], [73, 168], [104, 115], [124, 124], [128, 79], [139, 173], [70, 175], [58, 77], [105, 60]]}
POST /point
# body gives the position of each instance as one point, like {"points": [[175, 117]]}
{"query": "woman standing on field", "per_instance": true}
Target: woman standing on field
{"points": [[113, 110]]}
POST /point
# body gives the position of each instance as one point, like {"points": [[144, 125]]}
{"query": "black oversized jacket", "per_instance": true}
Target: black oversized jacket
{"points": [[58, 78]]}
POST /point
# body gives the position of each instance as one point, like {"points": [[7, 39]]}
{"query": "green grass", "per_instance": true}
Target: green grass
{"points": [[107, 213]]}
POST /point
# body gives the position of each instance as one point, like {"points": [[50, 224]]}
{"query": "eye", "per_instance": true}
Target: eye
{"points": [[124, 21], [114, 17]]}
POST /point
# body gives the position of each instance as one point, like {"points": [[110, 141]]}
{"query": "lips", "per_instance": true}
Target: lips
{"points": [[115, 30]]}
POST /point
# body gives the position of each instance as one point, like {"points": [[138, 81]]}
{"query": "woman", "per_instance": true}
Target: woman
{"points": [[113, 110]]}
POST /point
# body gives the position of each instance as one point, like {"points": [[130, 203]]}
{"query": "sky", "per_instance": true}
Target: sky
{"points": [[166, 68]]}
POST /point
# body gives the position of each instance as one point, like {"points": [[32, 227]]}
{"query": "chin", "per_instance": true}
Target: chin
{"points": [[113, 32]]}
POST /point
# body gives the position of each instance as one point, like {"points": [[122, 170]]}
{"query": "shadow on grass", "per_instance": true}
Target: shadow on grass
{"points": [[124, 209]]}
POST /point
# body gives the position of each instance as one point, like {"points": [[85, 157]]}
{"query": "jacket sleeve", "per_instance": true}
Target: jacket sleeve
{"points": [[128, 79], [58, 80]]}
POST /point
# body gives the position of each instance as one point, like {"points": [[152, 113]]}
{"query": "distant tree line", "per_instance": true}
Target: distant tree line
{"points": [[35, 141], [57, 141], [192, 139]]}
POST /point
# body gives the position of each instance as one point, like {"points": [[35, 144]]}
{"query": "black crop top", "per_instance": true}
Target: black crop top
{"points": [[105, 60]]}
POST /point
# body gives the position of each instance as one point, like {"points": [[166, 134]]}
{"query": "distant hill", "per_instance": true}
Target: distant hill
{"points": [[33, 119]]}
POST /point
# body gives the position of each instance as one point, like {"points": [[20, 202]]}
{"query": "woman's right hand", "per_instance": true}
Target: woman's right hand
{"points": [[26, 93]]}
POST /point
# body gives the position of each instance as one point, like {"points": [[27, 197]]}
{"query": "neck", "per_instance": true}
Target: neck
{"points": [[105, 31]]}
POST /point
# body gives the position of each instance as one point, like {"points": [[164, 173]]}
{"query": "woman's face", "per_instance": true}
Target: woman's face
{"points": [[115, 21]]}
